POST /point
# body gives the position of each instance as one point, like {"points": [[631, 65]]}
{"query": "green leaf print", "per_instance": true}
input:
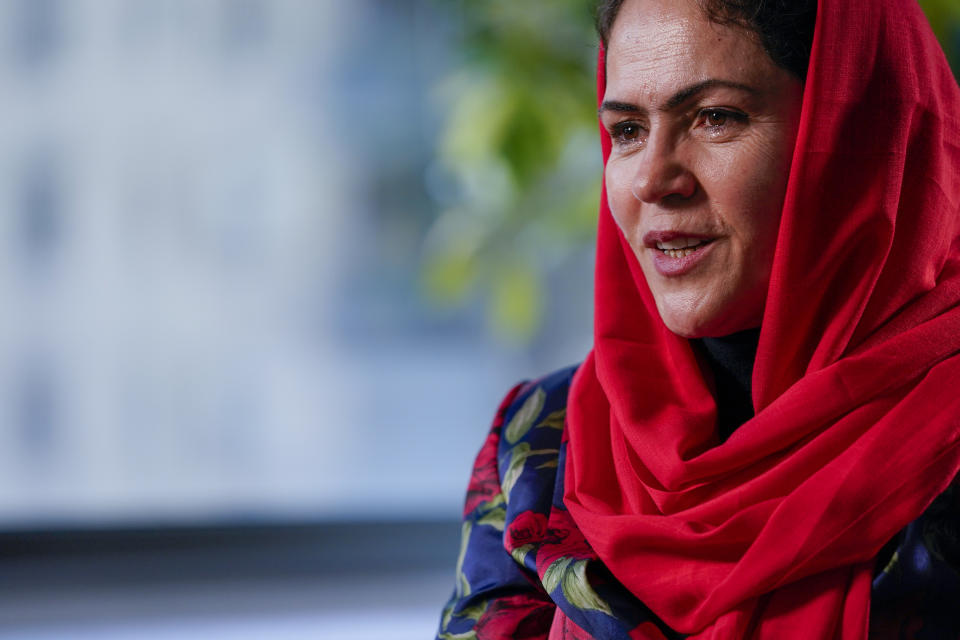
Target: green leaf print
{"points": [[475, 612], [554, 573], [520, 553], [571, 576], [518, 458], [894, 560], [578, 592], [522, 420], [497, 501], [467, 635], [447, 615], [554, 420], [470, 613], [496, 518]]}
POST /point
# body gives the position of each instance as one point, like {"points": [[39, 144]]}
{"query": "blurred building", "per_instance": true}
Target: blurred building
{"points": [[212, 213]]}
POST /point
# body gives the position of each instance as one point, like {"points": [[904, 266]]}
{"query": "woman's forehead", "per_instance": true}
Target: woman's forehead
{"points": [[657, 46]]}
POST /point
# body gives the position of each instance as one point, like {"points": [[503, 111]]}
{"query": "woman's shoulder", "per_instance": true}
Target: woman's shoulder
{"points": [[531, 423], [528, 426], [541, 402], [529, 446]]}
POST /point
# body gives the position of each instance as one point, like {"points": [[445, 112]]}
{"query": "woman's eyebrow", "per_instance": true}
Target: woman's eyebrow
{"points": [[688, 93], [678, 99], [616, 105]]}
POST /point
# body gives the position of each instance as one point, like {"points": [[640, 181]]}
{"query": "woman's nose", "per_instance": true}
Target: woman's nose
{"points": [[662, 173]]}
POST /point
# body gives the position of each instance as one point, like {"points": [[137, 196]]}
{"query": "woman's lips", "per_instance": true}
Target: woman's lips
{"points": [[675, 252]]}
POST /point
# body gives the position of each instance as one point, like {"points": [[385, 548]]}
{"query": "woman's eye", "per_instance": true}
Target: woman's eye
{"points": [[719, 122], [626, 132], [715, 118]]}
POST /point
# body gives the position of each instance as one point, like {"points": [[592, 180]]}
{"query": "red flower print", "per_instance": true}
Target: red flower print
{"points": [[505, 404], [563, 539], [518, 617], [567, 629], [527, 528], [485, 481]]}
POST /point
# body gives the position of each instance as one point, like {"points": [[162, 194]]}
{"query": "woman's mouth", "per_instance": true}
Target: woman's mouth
{"points": [[681, 247], [676, 253]]}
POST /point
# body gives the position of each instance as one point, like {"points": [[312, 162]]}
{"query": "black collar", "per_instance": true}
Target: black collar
{"points": [[730, 359]]}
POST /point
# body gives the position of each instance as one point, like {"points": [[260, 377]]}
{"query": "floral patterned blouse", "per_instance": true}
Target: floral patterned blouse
{"points": [[525, 571]]}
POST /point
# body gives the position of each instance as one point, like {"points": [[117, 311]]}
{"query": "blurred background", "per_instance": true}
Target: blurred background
{"points": [[266, 269]]}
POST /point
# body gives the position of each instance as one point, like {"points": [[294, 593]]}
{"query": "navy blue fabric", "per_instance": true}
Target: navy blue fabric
{"points": [[499, 594]]}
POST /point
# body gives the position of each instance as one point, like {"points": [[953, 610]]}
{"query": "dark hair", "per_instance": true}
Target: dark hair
{"points": [[785, 27]]}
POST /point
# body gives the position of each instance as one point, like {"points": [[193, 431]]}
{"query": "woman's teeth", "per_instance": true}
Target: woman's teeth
{"points": [[679, 253], [680, 247]]}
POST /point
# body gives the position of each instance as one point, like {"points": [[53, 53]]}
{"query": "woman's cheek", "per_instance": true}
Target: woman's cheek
{"points": [[619, 195]]}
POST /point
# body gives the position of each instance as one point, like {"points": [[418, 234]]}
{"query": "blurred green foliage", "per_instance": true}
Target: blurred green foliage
{"points": [[944, 16], [520, 154], [519, 147]]}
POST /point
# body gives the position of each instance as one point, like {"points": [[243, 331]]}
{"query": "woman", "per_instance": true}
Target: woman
{"points": [[762, 442]]}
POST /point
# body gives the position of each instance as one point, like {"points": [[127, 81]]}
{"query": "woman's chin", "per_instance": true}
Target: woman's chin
{"points": [[687, 329], [705, 323]]}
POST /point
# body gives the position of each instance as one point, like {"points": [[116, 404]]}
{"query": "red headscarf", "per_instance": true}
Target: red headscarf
{"points": [[772, 534]]}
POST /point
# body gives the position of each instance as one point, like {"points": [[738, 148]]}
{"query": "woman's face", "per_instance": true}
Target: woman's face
{"points": [[703, 125]]}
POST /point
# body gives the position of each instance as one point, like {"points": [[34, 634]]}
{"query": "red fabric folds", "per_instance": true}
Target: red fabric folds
{"points": [[771, 534]]}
